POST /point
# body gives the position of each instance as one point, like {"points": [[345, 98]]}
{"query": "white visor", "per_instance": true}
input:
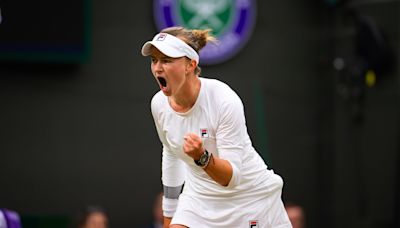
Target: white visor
{"points": [[170, 46]]}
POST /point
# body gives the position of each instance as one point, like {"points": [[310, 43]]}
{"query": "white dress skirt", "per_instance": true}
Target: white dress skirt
{"points": [[264, 210]]}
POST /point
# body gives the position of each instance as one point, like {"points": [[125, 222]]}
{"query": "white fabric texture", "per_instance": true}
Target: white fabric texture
{"points": [[218, 117], [169, 206]]}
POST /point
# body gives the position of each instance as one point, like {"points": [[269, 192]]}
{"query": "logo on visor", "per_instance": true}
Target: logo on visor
{"points": [[161, 37], [231, 21]]}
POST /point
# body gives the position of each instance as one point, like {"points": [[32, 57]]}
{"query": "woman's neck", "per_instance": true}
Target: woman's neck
{"points": [[185, 100]]}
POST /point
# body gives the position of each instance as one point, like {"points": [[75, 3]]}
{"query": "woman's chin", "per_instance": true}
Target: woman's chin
{"points": [[166, 91]]}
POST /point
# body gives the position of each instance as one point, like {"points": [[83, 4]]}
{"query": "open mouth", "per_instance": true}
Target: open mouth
{"points": [[162, 81]]}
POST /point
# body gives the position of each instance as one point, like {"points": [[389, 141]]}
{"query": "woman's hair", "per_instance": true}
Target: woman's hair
{"points": [[87, 212], [195, 38]]}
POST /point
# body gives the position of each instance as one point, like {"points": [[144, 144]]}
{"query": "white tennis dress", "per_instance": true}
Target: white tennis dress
{"points": [[253, 196]]}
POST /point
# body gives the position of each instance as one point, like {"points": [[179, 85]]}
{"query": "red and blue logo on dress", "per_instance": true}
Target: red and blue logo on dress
{"points": [[204, 133], [253, 223]]}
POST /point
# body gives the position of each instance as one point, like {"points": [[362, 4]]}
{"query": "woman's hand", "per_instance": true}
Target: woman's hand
{"points": [[193, 146]]}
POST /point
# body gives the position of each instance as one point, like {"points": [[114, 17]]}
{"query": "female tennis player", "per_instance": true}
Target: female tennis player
{"points": [[212, 175]]}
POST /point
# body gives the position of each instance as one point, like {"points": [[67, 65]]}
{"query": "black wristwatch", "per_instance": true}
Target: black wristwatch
{"points": [[204, 159]]}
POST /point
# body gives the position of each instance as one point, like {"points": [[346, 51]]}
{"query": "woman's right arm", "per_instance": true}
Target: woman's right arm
{"points": [[172, 175], [167, 221]]}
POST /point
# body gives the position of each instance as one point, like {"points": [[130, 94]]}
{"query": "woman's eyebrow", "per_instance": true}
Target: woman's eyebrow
{"points": [[166, 58], [160, 57]]}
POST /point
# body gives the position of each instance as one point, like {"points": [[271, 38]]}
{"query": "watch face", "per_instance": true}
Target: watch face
{"points": [[203, 158]]}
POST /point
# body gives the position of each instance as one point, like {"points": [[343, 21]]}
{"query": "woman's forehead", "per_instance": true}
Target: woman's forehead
{"points": [[157, 53]]}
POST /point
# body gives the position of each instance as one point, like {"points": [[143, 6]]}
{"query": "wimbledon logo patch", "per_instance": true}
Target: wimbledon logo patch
{"points": [[231, 21]]}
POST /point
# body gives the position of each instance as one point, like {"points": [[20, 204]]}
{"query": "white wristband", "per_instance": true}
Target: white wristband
{"points": [[169, 207]]}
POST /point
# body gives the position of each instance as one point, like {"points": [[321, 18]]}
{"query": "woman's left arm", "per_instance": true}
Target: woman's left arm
{"points": [[230, 136], [218, 169]]}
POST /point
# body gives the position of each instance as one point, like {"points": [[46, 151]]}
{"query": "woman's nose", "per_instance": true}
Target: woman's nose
{"points": [[157, 67]]}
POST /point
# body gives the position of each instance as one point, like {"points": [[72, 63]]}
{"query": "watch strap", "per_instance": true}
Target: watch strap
{"points": [[204, 159]]}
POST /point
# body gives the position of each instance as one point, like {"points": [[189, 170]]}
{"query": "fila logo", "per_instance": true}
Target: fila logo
{"points": [[253, 223], [204, 133], [161, 37]]}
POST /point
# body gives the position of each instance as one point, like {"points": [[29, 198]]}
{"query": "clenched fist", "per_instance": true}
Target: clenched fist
{"points": [[193, 146]]}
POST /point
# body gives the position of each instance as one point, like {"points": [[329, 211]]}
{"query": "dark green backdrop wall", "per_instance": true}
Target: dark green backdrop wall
{"points": [[76, 135]]}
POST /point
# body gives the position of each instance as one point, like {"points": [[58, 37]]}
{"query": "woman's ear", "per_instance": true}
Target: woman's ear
{"points": [[191, 66]]}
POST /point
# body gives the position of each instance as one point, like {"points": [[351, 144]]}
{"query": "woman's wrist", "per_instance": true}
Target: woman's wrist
{"points": [[204, 159]]}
